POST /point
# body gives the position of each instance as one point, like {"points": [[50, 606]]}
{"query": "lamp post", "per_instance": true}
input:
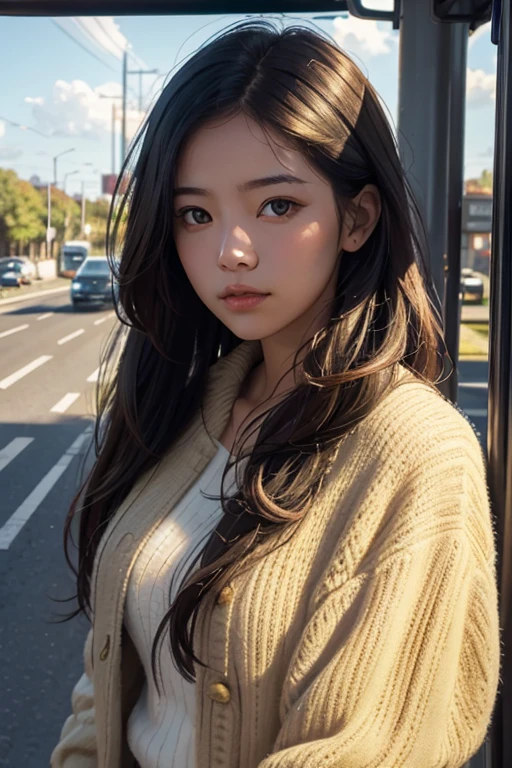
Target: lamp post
{"points": [[67, 151], [65, 177]]}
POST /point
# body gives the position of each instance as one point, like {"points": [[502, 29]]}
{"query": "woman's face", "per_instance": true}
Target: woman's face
{"points": [[254, 213]]}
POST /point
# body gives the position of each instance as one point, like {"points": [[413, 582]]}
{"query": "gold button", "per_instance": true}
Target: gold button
{"points": [[219, 692], [106, 648], [225, 596]]}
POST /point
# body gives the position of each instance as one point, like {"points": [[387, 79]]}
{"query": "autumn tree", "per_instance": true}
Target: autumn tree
{"points": [[21, 213], [65, 214], [97, 216]]}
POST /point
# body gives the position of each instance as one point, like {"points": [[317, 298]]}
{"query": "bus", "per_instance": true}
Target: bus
{"points": [[73, 253]]}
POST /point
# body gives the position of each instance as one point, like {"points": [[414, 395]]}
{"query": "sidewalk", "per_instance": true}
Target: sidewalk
{"points": [[34, 290], [472, 343]]}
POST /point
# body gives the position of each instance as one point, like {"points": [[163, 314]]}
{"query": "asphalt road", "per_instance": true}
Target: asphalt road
{"points": [[41, 453]]}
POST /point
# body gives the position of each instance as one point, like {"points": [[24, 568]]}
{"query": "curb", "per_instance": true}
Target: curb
{"points": [[28, 296]]}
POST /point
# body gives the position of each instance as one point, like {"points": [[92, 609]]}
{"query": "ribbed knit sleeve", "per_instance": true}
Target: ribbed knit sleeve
{"points": [[398, 665], [77, 744]]}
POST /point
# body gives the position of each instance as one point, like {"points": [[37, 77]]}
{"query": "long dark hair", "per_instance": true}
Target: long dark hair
{"points": [[299, 85]]}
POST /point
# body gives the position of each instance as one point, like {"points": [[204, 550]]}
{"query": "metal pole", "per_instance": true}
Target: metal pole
{"points": [[49, 242], [83, 208], [54, 171], [424, 68], [113, 137], [123, 127], [452, 304], [500, 382]]}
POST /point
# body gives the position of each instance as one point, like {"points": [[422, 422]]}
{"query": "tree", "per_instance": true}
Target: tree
{"points": [[65, 214], [97, 216], [21, 212], [486, 180], [480, 186]]}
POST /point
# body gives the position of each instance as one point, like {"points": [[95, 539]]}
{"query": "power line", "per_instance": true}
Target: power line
{"points": [[97, 21], [87, 32], [24, 127], [87, 50], [90, 35]]}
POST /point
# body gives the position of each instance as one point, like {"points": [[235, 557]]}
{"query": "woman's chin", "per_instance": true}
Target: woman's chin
{"points": [[250, 331]]}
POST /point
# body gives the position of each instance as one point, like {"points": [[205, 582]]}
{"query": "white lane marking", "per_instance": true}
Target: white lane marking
{"points": [[11, 450], [71, 336], [101, 320], [14, 377], [22, 515], [94, 375], [474, 384], [65, 403], [43, 317], [13, 330], [475, 411]]}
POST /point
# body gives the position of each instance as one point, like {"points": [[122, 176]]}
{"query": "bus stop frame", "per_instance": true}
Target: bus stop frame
{"points": [[433, 42]]}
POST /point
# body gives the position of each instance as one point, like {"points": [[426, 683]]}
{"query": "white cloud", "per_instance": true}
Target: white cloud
{"points": [[34, 100], [480, 87], [2, 128], [364, 38], [484, 30], [102, 32], [76, 109]]}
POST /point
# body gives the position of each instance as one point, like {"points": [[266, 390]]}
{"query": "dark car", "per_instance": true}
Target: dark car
{"points": [[92, 284], [471, 286], [16, 271]]}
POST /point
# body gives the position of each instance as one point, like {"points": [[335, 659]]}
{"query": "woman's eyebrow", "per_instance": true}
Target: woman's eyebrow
{"points": [[266, 181]]}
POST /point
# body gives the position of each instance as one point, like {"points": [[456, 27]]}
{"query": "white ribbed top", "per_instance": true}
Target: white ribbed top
{"points": [[161, 728]]}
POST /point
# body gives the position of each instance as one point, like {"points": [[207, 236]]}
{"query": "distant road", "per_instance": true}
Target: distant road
{"points": [[49, 357], [475, 313]]}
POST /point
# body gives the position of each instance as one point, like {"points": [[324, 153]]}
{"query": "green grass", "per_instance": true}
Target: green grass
{"points": [[466, 349], [481, 328]]}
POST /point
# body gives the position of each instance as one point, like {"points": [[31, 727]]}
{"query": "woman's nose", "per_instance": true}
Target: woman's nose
{"points": [[237, 250]]}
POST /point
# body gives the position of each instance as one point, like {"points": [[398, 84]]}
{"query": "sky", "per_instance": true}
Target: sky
{"points": [[56, 69]]}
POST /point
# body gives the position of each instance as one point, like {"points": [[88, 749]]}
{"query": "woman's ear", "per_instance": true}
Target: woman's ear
{"points": [[360, 218]]}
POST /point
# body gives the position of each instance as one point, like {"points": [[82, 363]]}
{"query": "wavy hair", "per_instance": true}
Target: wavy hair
{"points": [[299, 85]]}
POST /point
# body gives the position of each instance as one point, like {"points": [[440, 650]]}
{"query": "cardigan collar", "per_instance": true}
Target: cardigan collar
{"points": [[159, 490]]}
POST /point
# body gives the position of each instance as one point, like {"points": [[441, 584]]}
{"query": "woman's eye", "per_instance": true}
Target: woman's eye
{"points": [[280, 208], [194, 216]]}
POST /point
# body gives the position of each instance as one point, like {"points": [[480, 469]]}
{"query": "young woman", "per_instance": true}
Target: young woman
{"points": [[286, 549]]}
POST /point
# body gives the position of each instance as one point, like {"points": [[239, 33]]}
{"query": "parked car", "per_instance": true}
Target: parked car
{"points": [[471, 286], [16, 271], [92, 284]]}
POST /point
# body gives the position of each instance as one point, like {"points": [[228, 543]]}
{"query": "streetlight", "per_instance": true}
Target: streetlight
{"points": [[67, 151], [66, 176], [83, 203]]}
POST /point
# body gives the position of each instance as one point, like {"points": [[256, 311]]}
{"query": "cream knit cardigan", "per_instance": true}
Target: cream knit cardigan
{"points": [[369, 640]]}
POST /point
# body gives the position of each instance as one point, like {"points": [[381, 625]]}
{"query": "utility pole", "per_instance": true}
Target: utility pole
{"points": [[83, 210], [123, 118], [113, 137], [114, 118], [141, 72], [49, 242], [127, 72]]}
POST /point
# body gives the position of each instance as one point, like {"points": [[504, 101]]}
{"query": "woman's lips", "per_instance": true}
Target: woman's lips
{"points": [[244, 301]]}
